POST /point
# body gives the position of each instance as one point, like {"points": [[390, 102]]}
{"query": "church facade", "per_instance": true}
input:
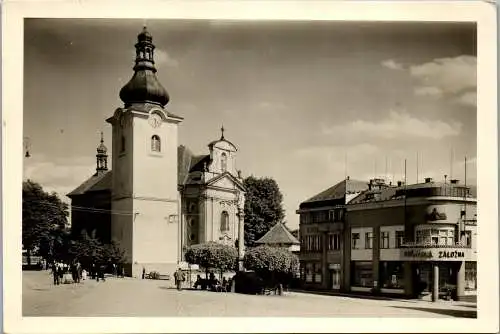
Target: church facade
{"points": [[159, 198]]}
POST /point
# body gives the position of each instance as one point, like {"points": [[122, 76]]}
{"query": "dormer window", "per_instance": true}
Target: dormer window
{"points": [[155, 143], [223, 162]]}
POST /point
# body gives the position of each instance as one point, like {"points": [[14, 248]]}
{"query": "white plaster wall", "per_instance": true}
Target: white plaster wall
{"points": [[361, 254], [155, 174], [122, 161], [156, 237]]}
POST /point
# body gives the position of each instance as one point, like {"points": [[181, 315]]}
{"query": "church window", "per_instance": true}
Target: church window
{"points": [[155, 144], [122, 144], [224, 221], [223, 162]]}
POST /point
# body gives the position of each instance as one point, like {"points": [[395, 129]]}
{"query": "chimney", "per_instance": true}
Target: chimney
{"points": [[347, 177], [401, 183], [428, 179], [370, 185], [454, 181]]}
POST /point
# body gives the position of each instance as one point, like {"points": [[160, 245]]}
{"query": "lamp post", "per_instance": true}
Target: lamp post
{"points": [[241, 232]]}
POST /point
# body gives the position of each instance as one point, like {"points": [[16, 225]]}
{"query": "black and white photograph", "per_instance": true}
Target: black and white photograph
{"points": [[201, 167]]}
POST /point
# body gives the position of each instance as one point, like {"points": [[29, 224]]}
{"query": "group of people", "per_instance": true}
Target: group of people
{"points": [[213, 284], [60, 269], [78, 273]]}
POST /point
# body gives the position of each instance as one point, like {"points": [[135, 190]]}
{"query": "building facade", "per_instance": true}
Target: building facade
{"points": [[322, 229], [410, 241], [158, 198]]}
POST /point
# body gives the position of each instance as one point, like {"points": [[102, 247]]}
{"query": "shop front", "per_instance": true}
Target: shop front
{"points": [[439, 273]]}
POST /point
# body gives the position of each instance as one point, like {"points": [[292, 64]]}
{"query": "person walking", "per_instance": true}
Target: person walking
{"points": [[179, 278], [55, 273]]}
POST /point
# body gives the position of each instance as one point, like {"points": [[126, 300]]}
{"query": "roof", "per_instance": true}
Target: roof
{"points": [[412, 190], [97, 182], [339, 190], [278, 234]]}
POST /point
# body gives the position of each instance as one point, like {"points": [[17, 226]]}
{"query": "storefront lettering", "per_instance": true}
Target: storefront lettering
{"points": [[421, 254], [452, 254]]}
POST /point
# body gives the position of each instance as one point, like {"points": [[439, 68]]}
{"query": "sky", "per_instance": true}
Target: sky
{"points": [[306, 103]]}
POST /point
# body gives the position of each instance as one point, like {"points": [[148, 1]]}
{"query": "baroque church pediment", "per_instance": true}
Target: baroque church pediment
{"points": [[226, 181]]}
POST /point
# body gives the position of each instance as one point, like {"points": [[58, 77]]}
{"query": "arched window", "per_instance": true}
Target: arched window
{"points": [[155, 144], [224, 221], [122, 144], [223, 162]]}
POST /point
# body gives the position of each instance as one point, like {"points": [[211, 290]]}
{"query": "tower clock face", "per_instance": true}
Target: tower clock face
{"points": [[155, 120]]}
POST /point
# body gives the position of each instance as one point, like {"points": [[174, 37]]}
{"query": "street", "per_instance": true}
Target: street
{"points": [[129, 297]]}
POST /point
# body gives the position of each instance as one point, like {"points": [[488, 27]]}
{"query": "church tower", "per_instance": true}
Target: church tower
{"points": [[144, 196]]}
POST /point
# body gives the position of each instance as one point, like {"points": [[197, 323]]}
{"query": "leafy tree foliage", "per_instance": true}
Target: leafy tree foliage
{"points": [[271, 263], [45, 219], [87, 249], [263, 207], [212, 255]]}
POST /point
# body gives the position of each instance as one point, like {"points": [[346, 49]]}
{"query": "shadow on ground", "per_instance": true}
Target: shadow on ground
{"points": [[450, 312]]}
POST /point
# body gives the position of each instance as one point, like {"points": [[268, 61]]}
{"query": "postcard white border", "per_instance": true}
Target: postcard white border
{"points": [[483, 13]]}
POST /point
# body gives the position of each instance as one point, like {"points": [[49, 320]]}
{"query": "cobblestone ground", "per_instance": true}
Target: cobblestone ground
{"points": [[134, 297]]}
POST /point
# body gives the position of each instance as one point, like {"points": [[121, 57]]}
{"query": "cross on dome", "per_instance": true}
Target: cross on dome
{"points": [[222, 132]]}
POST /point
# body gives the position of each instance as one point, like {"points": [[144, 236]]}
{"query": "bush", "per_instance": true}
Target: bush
{"points": [[273, 265], [212, 255]]}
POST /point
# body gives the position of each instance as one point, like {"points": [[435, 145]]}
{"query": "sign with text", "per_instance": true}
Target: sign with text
{"points": [[434, 254]]}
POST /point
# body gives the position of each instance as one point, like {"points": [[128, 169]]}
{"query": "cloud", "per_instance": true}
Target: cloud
{"points": [[467, 99], [163, 58], [397, 125], [392, 64], [453, 78], [428, 91], [61, 176]]}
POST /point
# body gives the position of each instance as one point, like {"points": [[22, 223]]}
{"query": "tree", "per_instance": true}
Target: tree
{"points": [[212, 255], [263, 207], [44, 217], [272, 264]]}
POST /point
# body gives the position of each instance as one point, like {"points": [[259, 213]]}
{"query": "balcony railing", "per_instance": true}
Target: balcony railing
{"points": [[434, 245]]}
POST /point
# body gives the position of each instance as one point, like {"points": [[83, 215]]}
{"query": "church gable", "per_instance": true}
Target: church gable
{"points": [[226, 181]]}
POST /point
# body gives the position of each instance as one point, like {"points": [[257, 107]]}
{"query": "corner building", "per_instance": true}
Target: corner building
{"points": [[408, 241]]}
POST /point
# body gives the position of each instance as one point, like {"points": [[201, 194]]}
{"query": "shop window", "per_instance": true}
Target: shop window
{"points": [[155, 144], [470, 276], [355, 240], [362, 274], [368, 240], [384, 240], [317, 273], [335, 276], [399, 238], [391, 274], [309, 272]]}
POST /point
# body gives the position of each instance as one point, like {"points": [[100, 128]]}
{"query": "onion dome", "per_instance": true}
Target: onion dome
{"points": [[102, 149], [144, 87], [102, 157]]}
